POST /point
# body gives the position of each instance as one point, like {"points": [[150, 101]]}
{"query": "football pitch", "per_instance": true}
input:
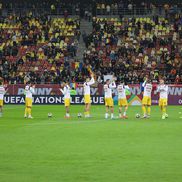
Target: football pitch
{"points": [[90, 150]]}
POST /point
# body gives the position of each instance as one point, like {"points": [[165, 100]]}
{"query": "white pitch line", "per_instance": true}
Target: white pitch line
{"points": [[62, 122], [12, 108]]}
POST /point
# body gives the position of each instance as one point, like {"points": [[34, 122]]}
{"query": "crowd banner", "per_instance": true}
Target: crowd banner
{"points": [[51, 94]]}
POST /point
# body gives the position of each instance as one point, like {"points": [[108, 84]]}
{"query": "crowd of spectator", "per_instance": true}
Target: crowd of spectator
{"points": [[37, 47], [44, 48], [137, 7], [135, 47]]}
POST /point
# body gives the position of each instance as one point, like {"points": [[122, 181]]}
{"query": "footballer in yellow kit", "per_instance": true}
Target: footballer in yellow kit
{"points": [[146, 101], [122, 101], [163, 97], [29, 91], [109, 85], [87, 98], [2, 92], [66, 91]]}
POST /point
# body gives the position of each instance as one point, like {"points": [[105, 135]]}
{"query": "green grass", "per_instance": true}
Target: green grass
{"points": [[90, 150]]}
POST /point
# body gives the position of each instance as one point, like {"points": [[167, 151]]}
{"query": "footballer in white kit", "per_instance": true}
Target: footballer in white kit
{"points": [[87, 98], [122, 100], [66, 92], [109, 85], [146, 101], [29, 91], [163, 97], [2, 92]]}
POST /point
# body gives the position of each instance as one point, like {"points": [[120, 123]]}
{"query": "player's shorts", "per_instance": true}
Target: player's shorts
{"points": [[28, 102], [87, 99], [146, 101], [122, 102], [109, 102], [162, 102], [1, 102], [67, 102]]}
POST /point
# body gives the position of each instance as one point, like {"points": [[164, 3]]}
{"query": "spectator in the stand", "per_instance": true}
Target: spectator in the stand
{"points": [[108, 9], [89, 16], [127, 57], [53, 9], [166, 9], [103, 8], [177, 79], [45, 48], [130, 8]]}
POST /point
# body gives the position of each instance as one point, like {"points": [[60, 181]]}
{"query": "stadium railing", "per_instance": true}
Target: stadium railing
{"points": [[72, 11]]}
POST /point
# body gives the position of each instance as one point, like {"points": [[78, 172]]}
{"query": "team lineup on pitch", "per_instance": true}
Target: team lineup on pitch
{"points": [[89, 149], [109, 85]]}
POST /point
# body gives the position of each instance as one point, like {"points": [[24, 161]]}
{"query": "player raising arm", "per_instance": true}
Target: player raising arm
{"points": [[163, 97], [87, 98], [2, 92], [109, 85], [122, 101], [66, 91], [146, 101], [29, 91]]}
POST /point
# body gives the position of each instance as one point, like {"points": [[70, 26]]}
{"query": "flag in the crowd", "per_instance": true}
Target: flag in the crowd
{"points": [[127, 91], [73, 85], [77, 64], [80, 66]]}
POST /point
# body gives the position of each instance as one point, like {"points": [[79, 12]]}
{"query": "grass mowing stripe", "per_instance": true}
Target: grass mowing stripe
{"points": [[87, 150]]}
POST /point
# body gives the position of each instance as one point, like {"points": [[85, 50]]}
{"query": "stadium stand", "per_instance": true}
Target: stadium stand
{"points": [[44, 47], [134, 47], [36, 45]]}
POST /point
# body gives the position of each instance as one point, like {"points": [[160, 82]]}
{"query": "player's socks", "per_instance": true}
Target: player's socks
{"points": [[112, 115], [87, 114], [120, 115], [1, 114], [26, 112], [106, 115], [164, 110], [125, 116], [29, 110], [149, 111], [67, 115], [144, 110]]}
